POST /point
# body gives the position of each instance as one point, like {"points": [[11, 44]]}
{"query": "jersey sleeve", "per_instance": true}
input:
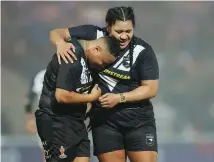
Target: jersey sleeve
{"points": [[67, 77], [86, 32], [148, 66]]}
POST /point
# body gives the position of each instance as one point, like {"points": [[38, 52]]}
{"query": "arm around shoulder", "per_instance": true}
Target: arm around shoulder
{"points": [[59, 35]]}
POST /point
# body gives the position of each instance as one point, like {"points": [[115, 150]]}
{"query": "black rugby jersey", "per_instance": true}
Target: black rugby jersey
{"points": [[72, 77], [117, 78]]}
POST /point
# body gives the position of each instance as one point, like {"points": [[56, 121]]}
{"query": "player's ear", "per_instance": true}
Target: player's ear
{"points": [[97, 50]]}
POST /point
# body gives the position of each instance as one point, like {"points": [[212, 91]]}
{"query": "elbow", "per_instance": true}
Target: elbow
{"points": [[153, 92], [152, 96], [61, 95], [151, 87], [52, 33], [64, 96], [60, 98]]}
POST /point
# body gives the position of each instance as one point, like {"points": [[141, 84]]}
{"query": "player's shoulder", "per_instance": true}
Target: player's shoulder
{"points": [[144, 46], [73, 69], [79, 52], [142, 42], [77, 65]]}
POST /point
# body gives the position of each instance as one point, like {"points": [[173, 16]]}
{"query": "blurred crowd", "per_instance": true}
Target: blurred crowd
{"points": [[181, 33]]}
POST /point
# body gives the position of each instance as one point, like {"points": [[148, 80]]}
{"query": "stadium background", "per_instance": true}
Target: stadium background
{"points": [[182, 35]]}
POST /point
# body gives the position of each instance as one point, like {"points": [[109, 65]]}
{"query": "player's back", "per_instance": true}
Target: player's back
{"points": [[49, 85]]}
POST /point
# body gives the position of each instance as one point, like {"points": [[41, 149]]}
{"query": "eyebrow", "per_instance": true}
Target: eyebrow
{"points": [[123, 30]]}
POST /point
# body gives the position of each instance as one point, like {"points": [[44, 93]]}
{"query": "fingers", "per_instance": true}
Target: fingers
{"points": [[73, 47], [68, 57], [103, 96], [72, 54], [64, 52], [58, 58], [64, 59], [103, 100], [65, 56], [105, 105]]}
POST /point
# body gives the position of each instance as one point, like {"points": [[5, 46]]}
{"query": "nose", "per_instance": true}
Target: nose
{"points": [[123, 36]]}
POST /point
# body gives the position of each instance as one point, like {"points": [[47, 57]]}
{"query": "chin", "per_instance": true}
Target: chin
{"points": [[125, 45], [122, 47]]}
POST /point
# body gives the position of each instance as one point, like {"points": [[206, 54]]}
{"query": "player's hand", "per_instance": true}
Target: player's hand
{"points": [[96, 92], [109, 100], [66, 52]]}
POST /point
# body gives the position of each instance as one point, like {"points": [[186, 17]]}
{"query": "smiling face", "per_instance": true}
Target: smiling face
{"points": [[123, 31], [120, 22]]}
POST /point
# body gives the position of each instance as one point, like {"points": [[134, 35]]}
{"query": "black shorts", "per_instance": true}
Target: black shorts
{"points": [[129, 134], [63, 138]]}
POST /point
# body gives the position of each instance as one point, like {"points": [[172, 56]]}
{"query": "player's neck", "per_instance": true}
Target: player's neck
{"points": [[85, 45]]}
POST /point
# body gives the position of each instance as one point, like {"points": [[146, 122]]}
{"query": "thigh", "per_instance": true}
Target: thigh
{"points": [[141, 144], [142, 139], [82, 159], [142, 156], [106, 140], [117, 156], [83, 149], [67, 134]]}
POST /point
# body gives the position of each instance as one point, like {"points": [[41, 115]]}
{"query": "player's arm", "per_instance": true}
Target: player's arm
{"points": [[65, 96], [147, 90], [149, 75], [86, 32], [59, 36], [68, 75]]}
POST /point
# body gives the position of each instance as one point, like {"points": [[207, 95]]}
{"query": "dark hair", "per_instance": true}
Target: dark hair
{"points": [[113, 45], [122, 14], [131, 50]]}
